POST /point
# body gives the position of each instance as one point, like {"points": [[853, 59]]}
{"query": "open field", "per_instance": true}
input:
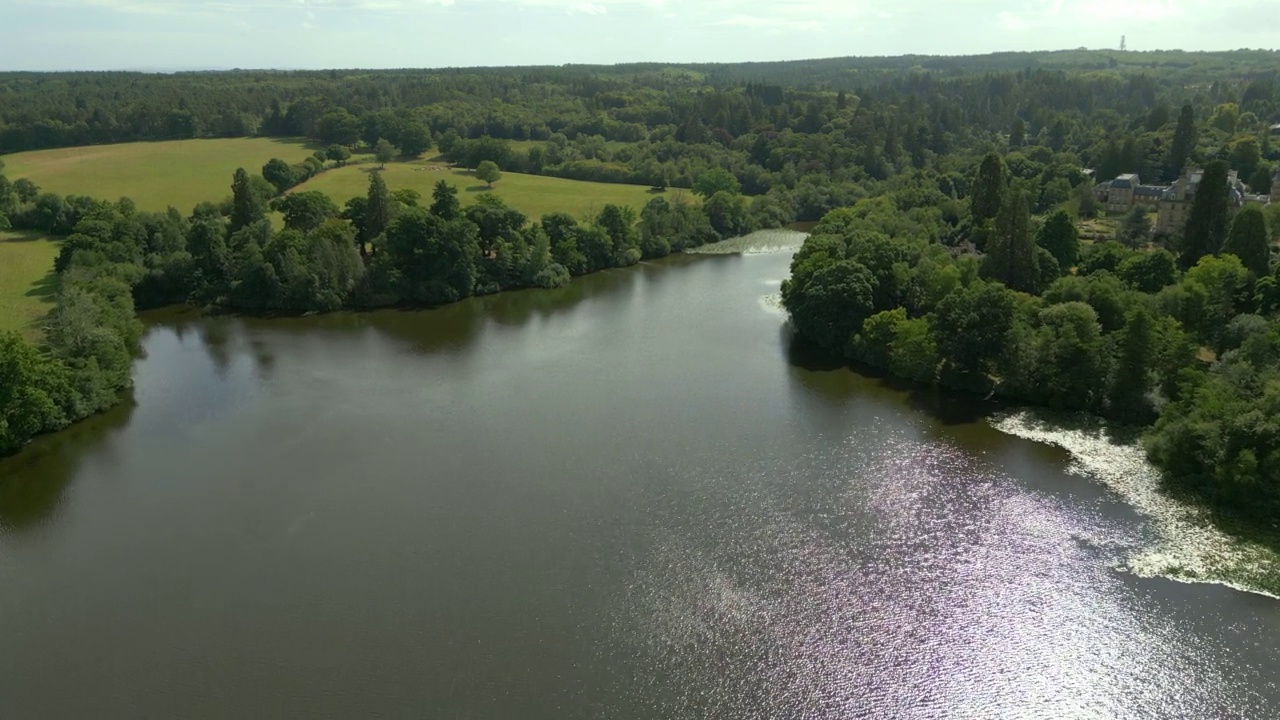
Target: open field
{"points": [[27, 280], [178, 173], [533, 195]]}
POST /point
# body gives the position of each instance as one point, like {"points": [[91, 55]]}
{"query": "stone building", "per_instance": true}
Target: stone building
{"points": [[1172, 203]]}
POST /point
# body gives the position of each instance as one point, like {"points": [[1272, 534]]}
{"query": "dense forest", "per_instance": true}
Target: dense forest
{"points": [[950, 193]]}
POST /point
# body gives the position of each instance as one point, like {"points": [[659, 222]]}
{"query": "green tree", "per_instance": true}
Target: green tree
{"points": [[1246, 154], [1018, 133], [1010, 253], [1148, 272], [338, 127], [488, 172], [1059, 236], [1069, 357], [987, 197], [414, 139], [729, 214], [279, 174], [247, 206], [969, 329], [379, 207], [384, 152], [831, 305], [305, 211], [716, 180], [619, 223], [1136, 228], [1184, 143], [1132, 380], [339, 154], [1207, 223], [1247, 240], [444, 199]]}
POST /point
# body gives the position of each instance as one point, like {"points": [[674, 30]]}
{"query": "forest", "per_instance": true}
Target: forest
{"points": [[951, 194]]}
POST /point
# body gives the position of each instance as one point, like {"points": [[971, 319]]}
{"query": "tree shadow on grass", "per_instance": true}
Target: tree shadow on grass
{"points": [[478, 188], [44, 288]]}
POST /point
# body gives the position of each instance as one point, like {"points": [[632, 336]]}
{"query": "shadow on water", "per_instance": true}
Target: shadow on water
{"points": [[34, 482], [832, 375]]}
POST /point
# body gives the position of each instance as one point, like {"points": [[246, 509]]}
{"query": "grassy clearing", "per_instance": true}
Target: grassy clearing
{"points": [[27, 280], [533, 195], [156, 175]]}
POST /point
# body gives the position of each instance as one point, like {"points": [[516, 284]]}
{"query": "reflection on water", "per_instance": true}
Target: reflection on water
{"points": [[1187, 546], [636, 497]]}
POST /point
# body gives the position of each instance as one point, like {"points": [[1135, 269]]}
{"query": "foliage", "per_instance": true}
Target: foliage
{"points": [[487, 171]]}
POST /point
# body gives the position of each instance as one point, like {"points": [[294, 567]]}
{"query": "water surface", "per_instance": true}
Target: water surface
{"points": [[635, 497]]}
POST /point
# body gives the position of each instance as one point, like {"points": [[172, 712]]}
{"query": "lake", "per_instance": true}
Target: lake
{"points": [[635, 497]]}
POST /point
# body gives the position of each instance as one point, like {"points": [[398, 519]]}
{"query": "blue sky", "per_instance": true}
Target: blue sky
{"points": [[175, 34]]}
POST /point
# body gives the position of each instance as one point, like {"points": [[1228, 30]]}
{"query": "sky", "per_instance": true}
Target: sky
{"points": [[220, 34]]}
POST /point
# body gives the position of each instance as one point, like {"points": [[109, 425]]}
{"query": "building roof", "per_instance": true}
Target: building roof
{"points": [[1153, 191], [1127, 180]]}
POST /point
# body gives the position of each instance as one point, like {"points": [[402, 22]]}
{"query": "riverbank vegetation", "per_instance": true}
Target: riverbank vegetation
{"points": [[951, 193]]}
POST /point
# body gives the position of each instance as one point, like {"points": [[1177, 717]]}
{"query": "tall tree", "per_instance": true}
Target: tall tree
{"points": [[1011, 255], [305, 211], [1136, 228], [1058, 235], [1018, 133], [445, 203], [247, 206], [988, 188], [1207, 223], [379, 207], [1132, 378], [1248, 240], [383, 152], [1184, 143]]}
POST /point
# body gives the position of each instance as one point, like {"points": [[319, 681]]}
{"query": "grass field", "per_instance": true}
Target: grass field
{"points": [[27, 280], [533, 195], [178, 173]]}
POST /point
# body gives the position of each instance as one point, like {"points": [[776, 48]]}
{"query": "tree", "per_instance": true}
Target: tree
{"points": [[384, 152], [445, 203], [717, 180], [1069, 357], [1148, 272], [1247, 240], [306, 211], [379, 208], [1131, 381], [247, 206], [1010, 253], [1207, 223], [729, 214], [279, 174], [1136, 228], [414, 139], [1184, 142], [488, 172], [1058, 235], [969, 329], [339, 154], [1018, 133], [338, 127], [988, 188], [831, 305]]}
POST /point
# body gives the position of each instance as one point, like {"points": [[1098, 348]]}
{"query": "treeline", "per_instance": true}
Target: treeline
{"points": [[1002, 303], [814, 135]]}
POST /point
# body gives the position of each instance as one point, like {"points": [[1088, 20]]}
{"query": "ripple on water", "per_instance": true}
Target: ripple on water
{"points": [[891, 575], [1188, 547]]}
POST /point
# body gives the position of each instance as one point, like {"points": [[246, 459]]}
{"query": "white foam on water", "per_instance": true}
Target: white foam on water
{"points": [[1188, 547]]}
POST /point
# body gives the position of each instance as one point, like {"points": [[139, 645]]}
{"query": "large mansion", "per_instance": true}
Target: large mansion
{"points": [[1172, 203]]}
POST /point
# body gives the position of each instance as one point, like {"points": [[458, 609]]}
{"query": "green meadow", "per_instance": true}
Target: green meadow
{"points": [[27, 280], [156, 175], [533, 195]]}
